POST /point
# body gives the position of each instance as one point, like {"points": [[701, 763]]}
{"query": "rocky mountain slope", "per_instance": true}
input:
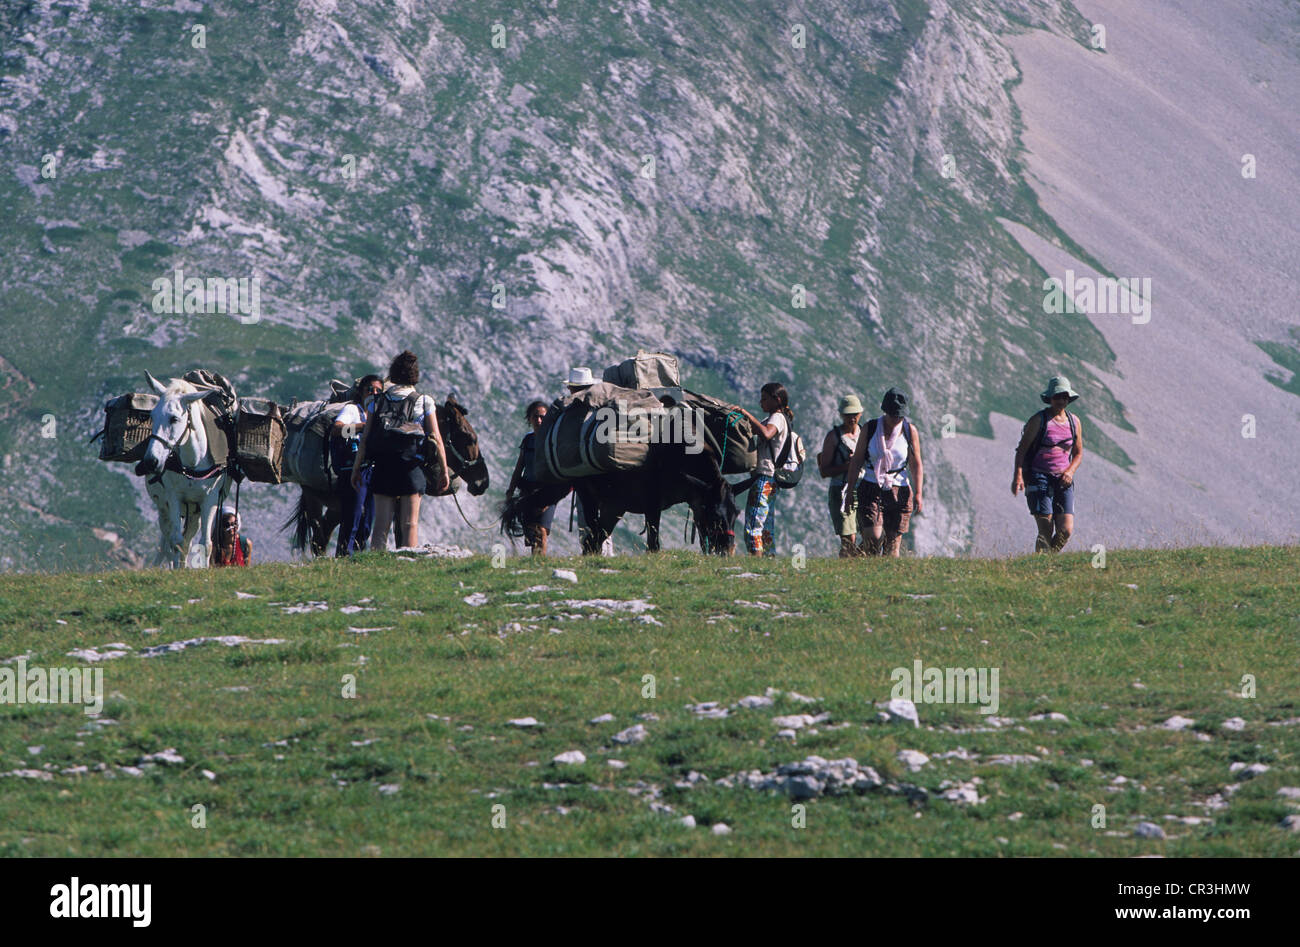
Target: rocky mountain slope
{"points": [[815, 195]]}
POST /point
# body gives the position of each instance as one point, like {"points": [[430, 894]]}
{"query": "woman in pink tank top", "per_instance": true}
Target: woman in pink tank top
{"points": [[1051, 447]]}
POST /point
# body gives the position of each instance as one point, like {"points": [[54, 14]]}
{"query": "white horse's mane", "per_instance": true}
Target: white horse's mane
{"points": [[179, 386]]}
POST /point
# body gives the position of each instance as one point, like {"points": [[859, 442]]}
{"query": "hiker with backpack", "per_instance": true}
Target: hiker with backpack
{"points": [[358, 503], [1049, 453], [773, 449], [401, 436], [833, 463], [889, 456], [535, 517]]}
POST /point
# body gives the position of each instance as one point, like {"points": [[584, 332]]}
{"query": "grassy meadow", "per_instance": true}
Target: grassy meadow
{"points": [[283, 760]]}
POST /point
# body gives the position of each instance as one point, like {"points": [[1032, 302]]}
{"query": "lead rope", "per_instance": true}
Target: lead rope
{"points": [[483, 529]]}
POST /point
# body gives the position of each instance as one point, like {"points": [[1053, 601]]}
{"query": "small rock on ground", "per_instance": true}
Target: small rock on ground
{"points": [[899, 710], [633, 734], [1148, 830]]}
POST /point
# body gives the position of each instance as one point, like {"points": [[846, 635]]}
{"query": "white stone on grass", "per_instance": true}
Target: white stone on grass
{"points": [[475, 599], [720, 828], [568, 575], [900, 710], [688, 821], [1053, 715], [633, 734], [1177, 723], [913, 759], [1233, 723], [523, 722], [572, 757], [1148, 830], [168, 756], [1248, 772]]}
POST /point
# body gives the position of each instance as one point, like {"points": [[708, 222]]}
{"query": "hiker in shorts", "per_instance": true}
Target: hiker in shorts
{"points": [[773, 431], [833, 462], [535, 518], [228, 547], [398, 480], [357, 505], [1050, 449], [889, 455]]}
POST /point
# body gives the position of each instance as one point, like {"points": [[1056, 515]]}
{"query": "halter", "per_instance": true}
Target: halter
{"points": [[173, 461]]}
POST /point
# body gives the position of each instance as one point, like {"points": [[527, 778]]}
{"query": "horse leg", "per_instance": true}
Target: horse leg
{"points": [[171, 522], [194, 556], [588, 525], [652, 529]]}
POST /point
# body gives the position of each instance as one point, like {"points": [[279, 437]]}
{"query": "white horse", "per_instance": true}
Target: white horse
{"points": [[182, 478]]}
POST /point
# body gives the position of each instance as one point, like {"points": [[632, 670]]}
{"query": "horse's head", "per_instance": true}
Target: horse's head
{"points": [[171, 421], [714, 507], [463, 455]]}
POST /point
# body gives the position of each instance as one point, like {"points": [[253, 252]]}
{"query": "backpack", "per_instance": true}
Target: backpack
{"points": [[870, 431], [394, 432], [1042, 436], [790, 471], [343, 453]]}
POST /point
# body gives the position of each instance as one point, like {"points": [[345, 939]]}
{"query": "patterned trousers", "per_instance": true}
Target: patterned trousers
{"points": [[760, 518]]}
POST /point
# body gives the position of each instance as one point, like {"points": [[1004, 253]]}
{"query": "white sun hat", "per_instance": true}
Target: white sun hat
{"points": [[580, 376]]}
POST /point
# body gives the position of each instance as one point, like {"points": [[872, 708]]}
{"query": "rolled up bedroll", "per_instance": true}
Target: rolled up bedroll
{"points": [[598, 430], [305, 458]]}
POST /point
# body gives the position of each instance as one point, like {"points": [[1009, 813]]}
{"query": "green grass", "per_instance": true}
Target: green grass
{"points": [[1065, 636]]}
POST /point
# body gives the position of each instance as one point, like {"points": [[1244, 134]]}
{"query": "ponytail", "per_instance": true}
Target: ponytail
{"points": [[777, 390]]}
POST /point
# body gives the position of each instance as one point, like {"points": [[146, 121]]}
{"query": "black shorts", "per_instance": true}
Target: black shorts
{"points": [[397, 478]]}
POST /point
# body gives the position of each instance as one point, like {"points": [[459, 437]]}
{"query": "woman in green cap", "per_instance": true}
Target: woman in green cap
{"points": [[833, 462], [1051, 447]]}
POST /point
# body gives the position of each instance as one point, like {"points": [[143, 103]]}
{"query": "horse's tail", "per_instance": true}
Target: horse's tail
{"points": [[300, 520]]}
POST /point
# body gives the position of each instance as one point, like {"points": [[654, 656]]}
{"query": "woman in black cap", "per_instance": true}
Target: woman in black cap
{"points": [[1051, 447], [889, 454]]}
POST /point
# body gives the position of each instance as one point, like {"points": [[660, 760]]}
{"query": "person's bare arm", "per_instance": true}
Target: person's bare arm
{"points": [[431, 429], [916, 468], [1026, 441], [514, 477], [827, 454], [765, 431], [1076, 455], [856, 463]]}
